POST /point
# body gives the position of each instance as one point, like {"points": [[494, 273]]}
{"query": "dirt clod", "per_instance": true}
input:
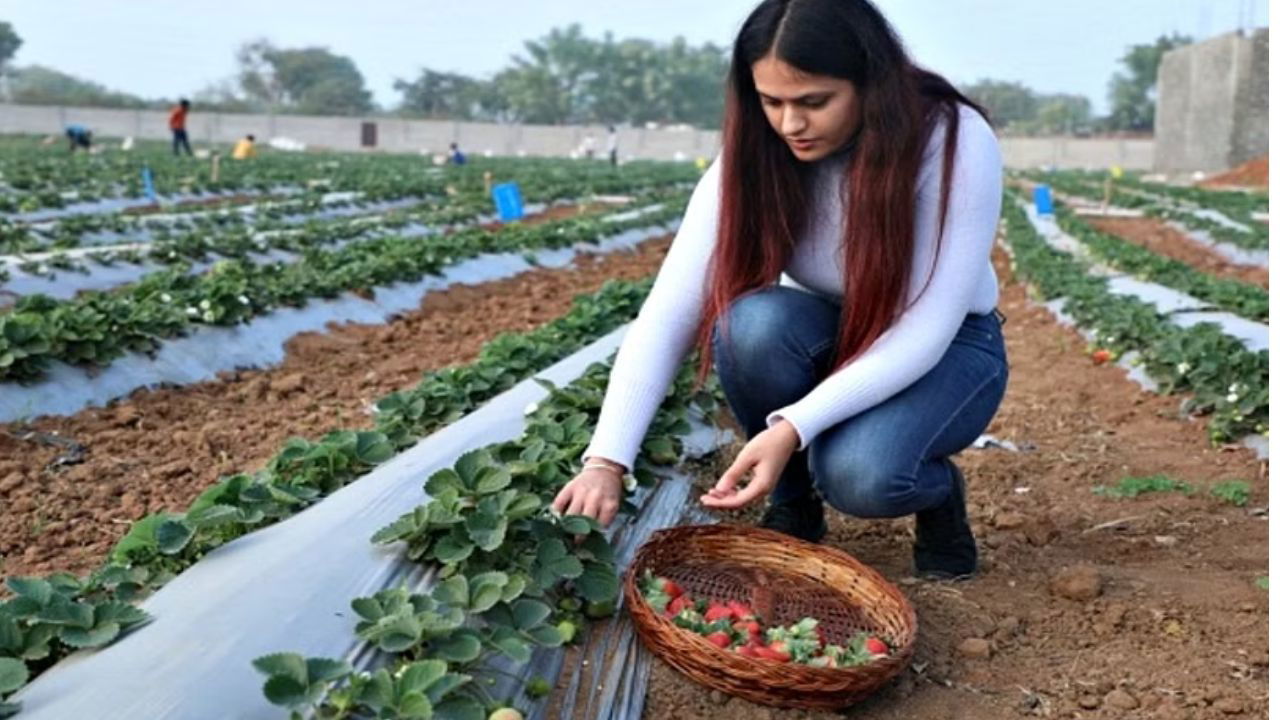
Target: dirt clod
{"points": [[1078, 582], [1120, 700], [974, 648]]}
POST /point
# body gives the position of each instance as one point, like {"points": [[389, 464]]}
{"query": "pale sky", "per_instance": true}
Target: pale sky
{"points": [[166, 48]]}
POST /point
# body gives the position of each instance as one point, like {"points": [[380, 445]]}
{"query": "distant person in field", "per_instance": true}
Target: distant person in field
{"points": [[78, 136], [612, 144], [244, 148], [178, 126], [875, 186], [455, 155]]}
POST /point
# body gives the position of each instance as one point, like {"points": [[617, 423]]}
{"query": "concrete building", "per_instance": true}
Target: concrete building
{"points": [[1211, 108]]}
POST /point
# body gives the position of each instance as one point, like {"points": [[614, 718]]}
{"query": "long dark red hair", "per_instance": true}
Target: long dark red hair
{"points": [[765, 199]]}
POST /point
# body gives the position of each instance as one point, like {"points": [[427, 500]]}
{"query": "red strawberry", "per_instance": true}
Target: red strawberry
{"points": [[671, 588], [720, 639], [718, 612], [750, 627], [746, 650], [741, 611], [1101, 356], [876, 646], [677, 604], [776, 651]]}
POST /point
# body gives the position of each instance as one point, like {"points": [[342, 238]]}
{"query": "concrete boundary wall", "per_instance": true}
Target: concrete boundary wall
{"points": [[403, 135], [1212, 109]]}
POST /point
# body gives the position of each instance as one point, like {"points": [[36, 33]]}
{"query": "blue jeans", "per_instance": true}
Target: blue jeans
{"points": [[180, 140], [887, 461]]}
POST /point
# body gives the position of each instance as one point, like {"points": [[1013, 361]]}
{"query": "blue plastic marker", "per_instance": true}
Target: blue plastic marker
{"points": [[1044, 200], [510, 205], [148, 187]]}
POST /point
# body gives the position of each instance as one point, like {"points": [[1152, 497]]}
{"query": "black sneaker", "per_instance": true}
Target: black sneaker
{"points": [[801, 518], [944, 547]]}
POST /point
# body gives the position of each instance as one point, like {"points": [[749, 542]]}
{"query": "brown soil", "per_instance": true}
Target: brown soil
{"points": [[1153, 234], [559, 212], [156, 450], [1180, 627], [1252, 174]]}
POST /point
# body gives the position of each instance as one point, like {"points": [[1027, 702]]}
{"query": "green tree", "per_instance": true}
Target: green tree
{"points": [[445, 95], [9, 43], [566, 77], [1063, 114], [305, 80], [1008, 102], [548, 86], [39, 85], [1132, 90]]}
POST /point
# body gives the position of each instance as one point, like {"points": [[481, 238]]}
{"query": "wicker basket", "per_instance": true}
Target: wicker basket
{"points": [[784, 580]]}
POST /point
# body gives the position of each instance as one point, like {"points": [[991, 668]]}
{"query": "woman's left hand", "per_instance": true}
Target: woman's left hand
{"points": [[765, 456]]}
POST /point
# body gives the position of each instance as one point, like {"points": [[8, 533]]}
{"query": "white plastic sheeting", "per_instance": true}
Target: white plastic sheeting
{"points": [[287, 587], [1255, 338], [1216, 216], [116, 204], [1182, 309], [64, 284], [209, 350], [1228, 251]]}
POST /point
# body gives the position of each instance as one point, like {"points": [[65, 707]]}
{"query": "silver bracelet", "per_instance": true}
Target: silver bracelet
{"points": [[628, 480], [604, 466]]}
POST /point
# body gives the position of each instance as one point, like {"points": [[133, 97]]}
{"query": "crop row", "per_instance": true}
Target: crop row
{"points": [[537, 185], [1234, 296], [40, 177], [1221, 376], [1166, 207], [96, 327], [51, 616], [243, 241], [515, 576]]}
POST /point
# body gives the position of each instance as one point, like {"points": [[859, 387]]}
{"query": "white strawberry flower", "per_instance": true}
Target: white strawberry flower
{"points": [[243, 300], [192, 312], [1232, 397], [205, 304], [166, 298], [1184, 368], [209, 316]]}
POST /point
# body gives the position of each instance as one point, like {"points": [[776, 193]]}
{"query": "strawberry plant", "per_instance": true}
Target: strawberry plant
{"points": [[1222, 377], [97, 327], [1235, 296], [161, 545], [513, 575]]}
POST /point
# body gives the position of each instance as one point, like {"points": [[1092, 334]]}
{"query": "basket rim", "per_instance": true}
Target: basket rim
{"points": [[825, 553]]}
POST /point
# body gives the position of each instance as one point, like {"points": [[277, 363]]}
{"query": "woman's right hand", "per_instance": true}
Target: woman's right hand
{"points": [[594, 492]]}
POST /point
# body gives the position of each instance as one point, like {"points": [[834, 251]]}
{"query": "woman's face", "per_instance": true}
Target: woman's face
{"points": [[815, 115]]}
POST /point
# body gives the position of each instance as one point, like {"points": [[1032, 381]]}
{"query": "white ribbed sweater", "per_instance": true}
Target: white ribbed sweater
{"points": [[964, 282]]}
